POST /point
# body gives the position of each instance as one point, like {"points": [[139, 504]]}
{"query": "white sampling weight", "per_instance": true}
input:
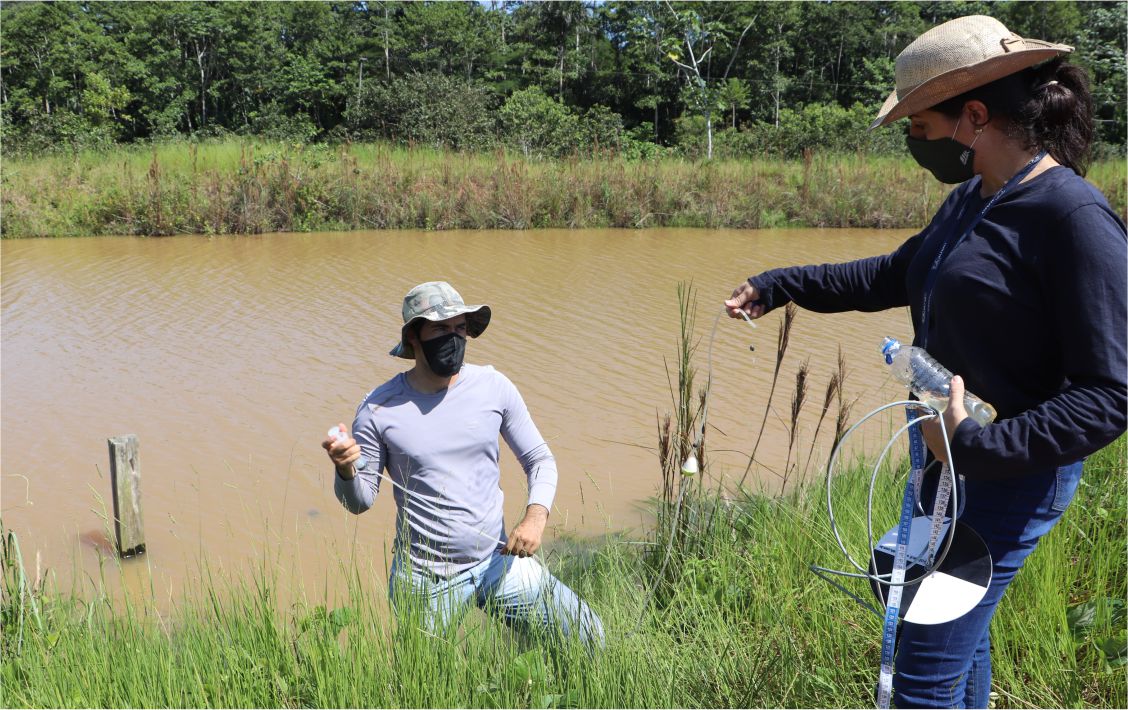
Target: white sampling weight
{"points": [[929, 380]]}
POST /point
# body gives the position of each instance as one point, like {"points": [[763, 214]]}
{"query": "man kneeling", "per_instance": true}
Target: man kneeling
{"points": [[435, 429]]}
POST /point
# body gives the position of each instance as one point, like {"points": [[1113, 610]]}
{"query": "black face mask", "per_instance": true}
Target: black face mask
{"points": [[444, 354], [947, 159]]}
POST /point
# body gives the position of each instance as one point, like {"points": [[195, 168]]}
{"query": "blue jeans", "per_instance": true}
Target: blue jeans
{"points": [[518, 589], [949, 665]]}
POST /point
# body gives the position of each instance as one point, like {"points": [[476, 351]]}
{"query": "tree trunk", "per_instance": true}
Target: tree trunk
{"points": [[838, 66], [775, 88], [387, 54], [560, 90], [709, 133], [203, 87], [502, 23]]}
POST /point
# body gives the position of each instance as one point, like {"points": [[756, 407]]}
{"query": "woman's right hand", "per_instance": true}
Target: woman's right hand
{"points": [[744, 298], [342, 452]]}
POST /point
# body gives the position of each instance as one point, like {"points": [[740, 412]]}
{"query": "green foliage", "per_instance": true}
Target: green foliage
{"points": [[537, 125], [62, 130], [689, 133], [1101, 52], [734, 94], [816, 127], [274, 122], [324, 71], [600, 128], [431, 109], [103, 103]]}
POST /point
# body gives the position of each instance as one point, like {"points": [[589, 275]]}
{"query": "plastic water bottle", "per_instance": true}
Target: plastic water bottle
{"points": [[336, 434], [929, 380]]}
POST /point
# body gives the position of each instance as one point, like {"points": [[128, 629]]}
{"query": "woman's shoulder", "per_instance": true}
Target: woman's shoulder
{"points": [[1060, 192], [1067, 216]]}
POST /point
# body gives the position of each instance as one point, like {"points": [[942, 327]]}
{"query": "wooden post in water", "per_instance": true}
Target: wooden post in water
{"points": [[125, 478]]}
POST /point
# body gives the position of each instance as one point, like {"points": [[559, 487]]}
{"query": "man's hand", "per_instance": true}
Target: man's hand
{"points": [[342, 452], [953, 414], [744, 298], [526, 537]]}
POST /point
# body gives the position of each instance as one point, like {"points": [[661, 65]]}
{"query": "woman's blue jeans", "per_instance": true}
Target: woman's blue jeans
{"points": [[949, 665], [520, 590]]}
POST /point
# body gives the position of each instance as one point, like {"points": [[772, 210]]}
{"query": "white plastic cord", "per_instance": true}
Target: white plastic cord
{"points": [[338, 434], [426, 504], [863, 573], [709, 369], [686, 465]]}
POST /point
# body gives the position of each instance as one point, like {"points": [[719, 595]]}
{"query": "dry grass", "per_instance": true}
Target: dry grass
{"points": [[253, 187]]}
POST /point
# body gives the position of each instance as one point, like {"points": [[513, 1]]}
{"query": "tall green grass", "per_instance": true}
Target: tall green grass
{"points": [[253, 187], [740, 623], [717, 608]]}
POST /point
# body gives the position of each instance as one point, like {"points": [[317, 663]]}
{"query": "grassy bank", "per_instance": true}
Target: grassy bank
{"points": [[247, 188], [728, 615], [742, 623]]}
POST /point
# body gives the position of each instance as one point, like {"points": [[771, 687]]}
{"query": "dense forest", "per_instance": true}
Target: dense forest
{"points": [[551, 78]]}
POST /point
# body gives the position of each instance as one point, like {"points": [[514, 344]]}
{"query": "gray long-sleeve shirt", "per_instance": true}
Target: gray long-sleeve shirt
{"points": [[443, 448]]}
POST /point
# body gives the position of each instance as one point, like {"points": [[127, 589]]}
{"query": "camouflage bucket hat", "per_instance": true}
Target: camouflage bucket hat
{"points": [[435, 301]]}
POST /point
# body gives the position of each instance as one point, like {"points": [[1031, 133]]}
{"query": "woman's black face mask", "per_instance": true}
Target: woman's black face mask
{"points": [[444, 354], [947, 159]]}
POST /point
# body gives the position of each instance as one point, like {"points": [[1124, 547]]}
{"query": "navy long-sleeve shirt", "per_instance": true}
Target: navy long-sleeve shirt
{"points": [[1030, 309]]}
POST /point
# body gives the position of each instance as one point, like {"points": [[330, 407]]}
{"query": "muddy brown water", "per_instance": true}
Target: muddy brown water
{"points": [[229, 358]]}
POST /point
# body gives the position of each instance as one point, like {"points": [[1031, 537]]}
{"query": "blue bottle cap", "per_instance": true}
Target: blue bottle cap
{"points": [[889, 348]]}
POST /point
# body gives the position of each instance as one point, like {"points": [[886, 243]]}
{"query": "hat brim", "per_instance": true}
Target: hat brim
{"points": [[957, 81], [477, 320]]}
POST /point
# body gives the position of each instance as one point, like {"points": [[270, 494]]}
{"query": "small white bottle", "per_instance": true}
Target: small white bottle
{"points": [[336, 434], [929, 380]]}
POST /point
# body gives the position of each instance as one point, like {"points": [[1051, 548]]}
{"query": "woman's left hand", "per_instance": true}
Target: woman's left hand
{"points": [[953, 414]]}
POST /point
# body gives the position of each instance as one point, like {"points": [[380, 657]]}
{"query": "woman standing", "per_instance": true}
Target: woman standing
{"points": [[1017, 284]]}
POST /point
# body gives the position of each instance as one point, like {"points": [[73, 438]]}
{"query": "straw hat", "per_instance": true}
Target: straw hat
{"points": [[958, 56]]}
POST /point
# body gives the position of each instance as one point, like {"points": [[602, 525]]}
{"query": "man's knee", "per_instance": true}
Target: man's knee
{"points": [[534, 595]]}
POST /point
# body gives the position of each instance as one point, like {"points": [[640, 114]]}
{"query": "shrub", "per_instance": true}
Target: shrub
{"points": [[538, 125], [819, 127], [59, 131], [601, 129], [274, 123], [432, 109]]}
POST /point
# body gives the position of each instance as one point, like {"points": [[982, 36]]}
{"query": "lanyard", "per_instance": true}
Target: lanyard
{"points": [[950, 244]]}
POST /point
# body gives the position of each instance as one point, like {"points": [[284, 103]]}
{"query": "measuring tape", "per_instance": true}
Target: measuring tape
{"points": [[897, 578]]}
